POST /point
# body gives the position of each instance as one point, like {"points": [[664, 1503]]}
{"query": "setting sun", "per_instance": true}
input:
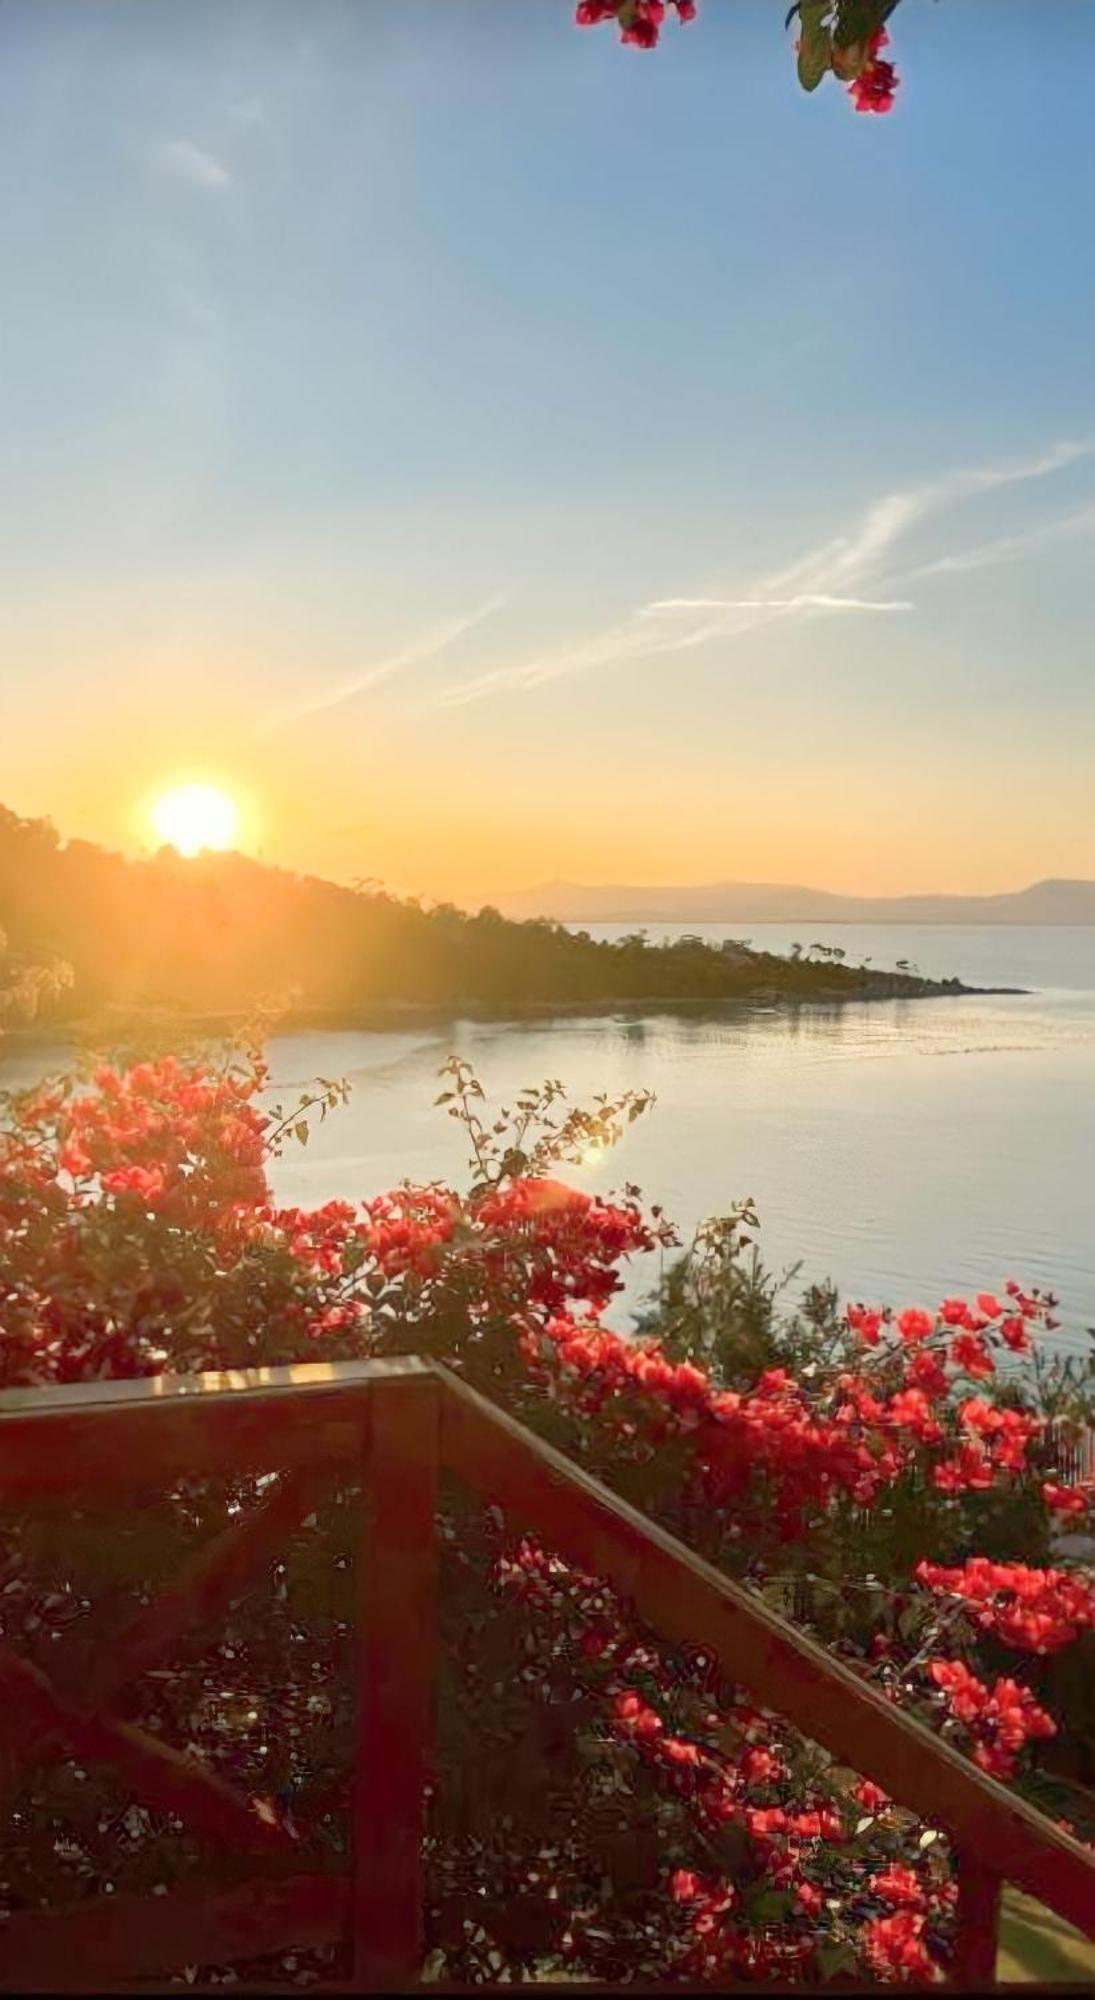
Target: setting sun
{"points": [[194, 817]]}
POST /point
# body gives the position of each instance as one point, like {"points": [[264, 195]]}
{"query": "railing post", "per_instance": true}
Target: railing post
{"points": [[398, 1564], [977, 1918]]}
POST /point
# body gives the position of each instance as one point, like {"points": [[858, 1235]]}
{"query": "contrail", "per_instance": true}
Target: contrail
{"points": [[425, 647]]}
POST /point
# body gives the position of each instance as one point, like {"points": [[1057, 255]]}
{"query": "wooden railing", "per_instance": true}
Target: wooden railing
{"points": [[393, 1426]]}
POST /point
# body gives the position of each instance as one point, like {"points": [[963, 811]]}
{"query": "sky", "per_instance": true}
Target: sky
{"points": [[494, 455]]}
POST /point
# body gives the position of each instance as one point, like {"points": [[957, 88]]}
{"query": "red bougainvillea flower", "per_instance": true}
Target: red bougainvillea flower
{"points": [[899, 1885], [970, 1471], [1004, 1432], [760, 1766], [895, 1947], [956, 1312], [875, 88], [713, 1897], [546, 1197], [912, 1410], [635, 1717], [867, 1322], [925, 1371], [1066, 1499], [147, 1183], [640, 21], [969, 1352], [1001, 1720], [914, 1323], [74, 1159], [870, 1796]]}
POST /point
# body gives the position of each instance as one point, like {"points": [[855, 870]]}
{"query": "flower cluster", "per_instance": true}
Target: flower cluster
{"points": [[1000, 1720], [640, 21], [930, 1354], [963, 1335], [170, 1136], [1074, 1500], [802, 1455], [1037, 1610], [895, 1947], [571, 1243], [875, 86], [852, 1437], [407, 1231]]}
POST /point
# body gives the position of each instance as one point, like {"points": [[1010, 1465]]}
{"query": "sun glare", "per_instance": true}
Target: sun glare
{"points": [[192, 818]]}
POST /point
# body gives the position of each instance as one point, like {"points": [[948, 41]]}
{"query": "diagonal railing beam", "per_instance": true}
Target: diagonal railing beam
{"points": [[166, 1779], [209, 1584]]}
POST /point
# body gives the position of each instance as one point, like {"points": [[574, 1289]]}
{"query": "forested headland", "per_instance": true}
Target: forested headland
{"points": [[221, 934]]}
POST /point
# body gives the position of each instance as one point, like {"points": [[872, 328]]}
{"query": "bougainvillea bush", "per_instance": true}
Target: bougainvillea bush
{"points": [[601, 1803]]}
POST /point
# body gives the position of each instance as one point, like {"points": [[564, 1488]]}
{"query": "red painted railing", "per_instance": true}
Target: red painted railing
{"points": [[393, 1425]]}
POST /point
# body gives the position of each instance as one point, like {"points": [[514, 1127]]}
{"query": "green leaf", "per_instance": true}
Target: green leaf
{"points": [[815, 48], [834, 1955], [857, 20], [770, 1906]]}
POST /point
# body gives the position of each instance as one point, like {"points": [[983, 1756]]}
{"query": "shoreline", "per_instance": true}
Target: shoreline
{"points": [[388, 1016]]}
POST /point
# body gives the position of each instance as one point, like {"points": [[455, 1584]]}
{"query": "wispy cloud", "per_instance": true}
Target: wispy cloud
{"points": [[805, 601], [436, 639], [855, 557], [190, 162], [623, 641], [1007, 547], [842, 575]]}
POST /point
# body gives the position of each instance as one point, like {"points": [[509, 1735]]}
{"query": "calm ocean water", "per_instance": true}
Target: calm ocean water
{"points": [[904, 1149]]}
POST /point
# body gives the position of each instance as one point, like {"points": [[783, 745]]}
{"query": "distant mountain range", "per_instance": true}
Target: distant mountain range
{"points": [[1052, 902]]}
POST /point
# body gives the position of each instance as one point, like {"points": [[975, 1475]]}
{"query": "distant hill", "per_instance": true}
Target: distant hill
{"points": [[1051, 902], [215, 936]]}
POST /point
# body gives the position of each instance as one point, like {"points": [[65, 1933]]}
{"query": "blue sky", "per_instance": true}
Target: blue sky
{"points": [[493, 454]]}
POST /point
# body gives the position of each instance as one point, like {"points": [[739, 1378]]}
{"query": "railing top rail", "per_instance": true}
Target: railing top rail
{"points": [[146, 1392], [103, 1437]]}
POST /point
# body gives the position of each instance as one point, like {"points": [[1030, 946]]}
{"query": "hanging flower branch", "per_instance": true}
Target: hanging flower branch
{"points": [[640, 21], [845, 37]]}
